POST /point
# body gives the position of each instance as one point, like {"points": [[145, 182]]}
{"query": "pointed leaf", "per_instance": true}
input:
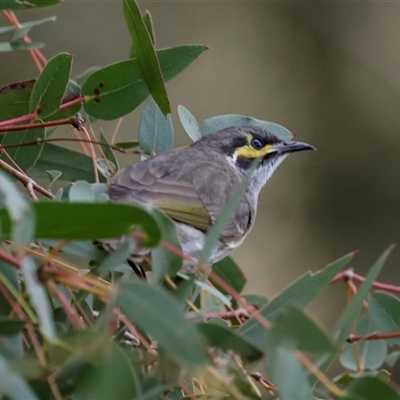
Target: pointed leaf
{"points": [[24, 28], [231, 273], [146, 55]]}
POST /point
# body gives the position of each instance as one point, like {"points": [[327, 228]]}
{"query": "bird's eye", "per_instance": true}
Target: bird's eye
{"points": [[256, 144]]}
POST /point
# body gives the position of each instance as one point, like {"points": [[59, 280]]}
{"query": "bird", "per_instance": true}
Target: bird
{"points": [[193, 184]]}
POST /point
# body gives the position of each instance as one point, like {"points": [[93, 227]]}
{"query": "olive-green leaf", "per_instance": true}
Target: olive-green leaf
{"points": [[146, 55], [231, 273], [59, 220], [117, 89], [14, 99], [49, 89], [24, 156], [159, 314]]}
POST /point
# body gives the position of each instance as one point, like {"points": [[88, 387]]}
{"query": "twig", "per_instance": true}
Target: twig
{"points": [[373, 336], [25, 179], [74, 121]]}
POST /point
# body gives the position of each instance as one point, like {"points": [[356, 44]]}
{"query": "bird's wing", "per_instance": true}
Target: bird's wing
{"points": [[148, 183]]}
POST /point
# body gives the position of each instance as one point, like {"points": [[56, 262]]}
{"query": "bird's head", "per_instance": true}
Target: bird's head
{"points": [[241, 145]]}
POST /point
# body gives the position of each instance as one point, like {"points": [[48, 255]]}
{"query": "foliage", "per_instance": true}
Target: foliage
{"points": [[75, 322]]}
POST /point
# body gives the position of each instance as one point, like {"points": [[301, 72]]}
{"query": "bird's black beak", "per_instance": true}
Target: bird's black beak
{"points": [[290, 147]]}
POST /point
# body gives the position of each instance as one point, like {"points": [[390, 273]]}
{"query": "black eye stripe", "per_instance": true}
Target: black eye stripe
{"points": [[256, 144]]}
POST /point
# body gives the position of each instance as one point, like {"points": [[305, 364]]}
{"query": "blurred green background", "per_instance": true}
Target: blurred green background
{"points": [[326, 71]]}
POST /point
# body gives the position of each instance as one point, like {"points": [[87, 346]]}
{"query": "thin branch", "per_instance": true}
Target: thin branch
{"points": [[92, 154], [373, 336], [25, 179], [74, 121]]}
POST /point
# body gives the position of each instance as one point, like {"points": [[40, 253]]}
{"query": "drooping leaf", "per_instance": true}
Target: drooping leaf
{"points": [[116, 90], [8, 46], [146, 55], [155, 130], [49, 89], [219, 122], [159, 314], [25, 156], [14, 99]]}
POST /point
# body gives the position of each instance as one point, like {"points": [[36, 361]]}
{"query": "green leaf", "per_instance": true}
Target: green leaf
{"points": [[20, 218], [38, 298], [112, 377], [149, 25], [81, 191], [369, 388], [225, 339], [25, 156], [164, 261], [49, 89], [24, 28], [160, 315], [14, 99], [384, 310], [155, 130], [294, 329], [300, 293], [58, 220], [12, 383], [72, 164], [8, 46], [231, 273], [372, 353], [116, 90], [146, 55], [31, 4], [189, 123], [11, 326], [352, 311], [220, 122], [287, 374]]}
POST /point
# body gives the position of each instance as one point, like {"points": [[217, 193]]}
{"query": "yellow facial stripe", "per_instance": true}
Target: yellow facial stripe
{"points": [[247, 151]]}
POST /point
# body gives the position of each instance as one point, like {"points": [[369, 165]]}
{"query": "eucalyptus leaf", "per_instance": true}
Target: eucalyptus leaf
{"points": [[155, 130], [189, 123], [220, 122]]}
